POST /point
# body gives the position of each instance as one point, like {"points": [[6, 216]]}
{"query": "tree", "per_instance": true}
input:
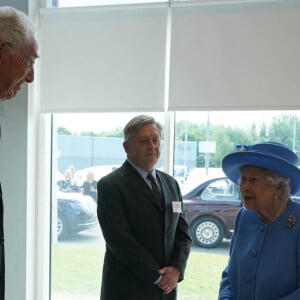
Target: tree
{"points": [[189, 131], [283, 129], [63, 131], [263, 132], [226, 139]]}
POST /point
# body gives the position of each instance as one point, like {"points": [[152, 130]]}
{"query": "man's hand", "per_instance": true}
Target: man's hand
{"points": [[169, 279]]}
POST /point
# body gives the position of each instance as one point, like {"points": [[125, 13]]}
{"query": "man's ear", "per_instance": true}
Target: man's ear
{"points": [[125, 146]]}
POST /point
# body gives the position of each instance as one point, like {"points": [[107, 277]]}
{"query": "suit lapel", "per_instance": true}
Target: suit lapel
{"points": [[139, 184]]}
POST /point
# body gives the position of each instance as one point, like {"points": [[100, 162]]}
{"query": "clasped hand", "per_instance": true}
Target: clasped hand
{"points": [[169, 279]]}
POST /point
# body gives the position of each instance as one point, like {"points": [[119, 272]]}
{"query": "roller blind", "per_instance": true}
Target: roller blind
{"points": [[238, 56], [99, 59]]}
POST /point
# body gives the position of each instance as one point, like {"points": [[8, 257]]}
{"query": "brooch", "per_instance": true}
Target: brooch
{"points": [[290, 221]]}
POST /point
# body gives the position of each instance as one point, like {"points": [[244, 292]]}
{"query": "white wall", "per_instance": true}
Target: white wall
{"points": [[13, 175]]}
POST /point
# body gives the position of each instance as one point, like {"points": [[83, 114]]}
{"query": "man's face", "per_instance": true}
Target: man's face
{"points": [[16, 68], [143, 149]]}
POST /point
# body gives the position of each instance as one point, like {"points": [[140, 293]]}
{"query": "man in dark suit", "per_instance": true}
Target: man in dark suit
{"points": [[18, 51], [146, 234]]}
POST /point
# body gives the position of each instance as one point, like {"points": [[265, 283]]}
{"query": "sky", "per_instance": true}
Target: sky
{"points": [[98, 122], [71, 3]]}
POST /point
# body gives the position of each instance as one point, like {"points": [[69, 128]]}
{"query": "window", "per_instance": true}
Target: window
{"points": [[221, 190], [88, 147], [93, 143]]}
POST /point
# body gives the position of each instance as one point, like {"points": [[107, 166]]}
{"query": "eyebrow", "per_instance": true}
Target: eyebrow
{"points": [[35, 56]]}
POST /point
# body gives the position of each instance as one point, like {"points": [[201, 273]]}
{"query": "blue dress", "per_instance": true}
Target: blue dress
{"points": [[264, 262]]}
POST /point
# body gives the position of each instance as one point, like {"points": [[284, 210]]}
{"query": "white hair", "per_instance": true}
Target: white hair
{"points": [[274, 178], [15, 27]]}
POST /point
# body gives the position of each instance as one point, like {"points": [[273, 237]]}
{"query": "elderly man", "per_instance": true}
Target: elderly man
{"points": [[18, 51]]}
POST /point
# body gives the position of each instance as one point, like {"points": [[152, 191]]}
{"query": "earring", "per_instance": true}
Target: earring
{"points": [[275, 197]]}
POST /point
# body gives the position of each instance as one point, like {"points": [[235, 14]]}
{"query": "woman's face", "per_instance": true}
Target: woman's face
{"points": [[258, 192]]}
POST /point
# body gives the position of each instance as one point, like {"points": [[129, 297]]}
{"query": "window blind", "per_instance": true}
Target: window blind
{"points": [[239, 56], [97, 59]]}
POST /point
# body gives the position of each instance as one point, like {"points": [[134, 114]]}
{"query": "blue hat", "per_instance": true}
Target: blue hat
{"points": [[272, 156]]}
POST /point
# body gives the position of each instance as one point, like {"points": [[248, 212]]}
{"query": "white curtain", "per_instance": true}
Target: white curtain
{"points": [[103, 59], [235, 57]]}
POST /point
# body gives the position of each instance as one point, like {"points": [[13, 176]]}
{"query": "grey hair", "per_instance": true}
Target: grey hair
{"points": [[15, 27], [138, 122]]}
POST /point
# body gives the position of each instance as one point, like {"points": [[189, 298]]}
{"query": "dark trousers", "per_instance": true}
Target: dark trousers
{"points": [[2, 259], [2, 271]]}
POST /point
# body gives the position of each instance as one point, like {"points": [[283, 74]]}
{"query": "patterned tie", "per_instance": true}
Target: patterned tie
{"points": [[157, 192]]}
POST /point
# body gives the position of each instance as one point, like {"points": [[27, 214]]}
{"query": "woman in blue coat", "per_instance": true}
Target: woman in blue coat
{"points": [[264, 261]]}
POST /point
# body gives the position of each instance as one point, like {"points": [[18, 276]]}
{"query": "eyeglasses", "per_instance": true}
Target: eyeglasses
{"points": [[28, 61]]}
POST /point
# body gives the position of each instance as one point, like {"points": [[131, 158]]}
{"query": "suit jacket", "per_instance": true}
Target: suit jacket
{"points": [[2, 260], [141, 236]]}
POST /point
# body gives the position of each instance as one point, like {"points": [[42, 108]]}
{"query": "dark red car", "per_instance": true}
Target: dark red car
{"points": [[210, 209]]}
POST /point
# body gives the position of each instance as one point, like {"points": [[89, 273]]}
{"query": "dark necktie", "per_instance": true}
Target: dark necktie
{"points": [[154, 187]]}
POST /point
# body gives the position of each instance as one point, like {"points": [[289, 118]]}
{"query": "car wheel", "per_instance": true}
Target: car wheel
{"points": [[62, 227], [207, 232]]}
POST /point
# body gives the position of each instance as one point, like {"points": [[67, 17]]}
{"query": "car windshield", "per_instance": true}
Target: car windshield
{"points": [[222, 189]]}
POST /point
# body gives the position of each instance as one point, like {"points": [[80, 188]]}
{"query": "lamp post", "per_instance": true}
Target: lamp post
{"points": [[207, 140]]}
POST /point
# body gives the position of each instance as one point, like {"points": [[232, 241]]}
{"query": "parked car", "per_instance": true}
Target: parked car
{"points": [[210, 209], [180, 173], [75, 212], [196, 176]]}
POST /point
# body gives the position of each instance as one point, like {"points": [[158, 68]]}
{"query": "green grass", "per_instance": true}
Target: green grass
{"points": [[77, 269], [202, 276]]}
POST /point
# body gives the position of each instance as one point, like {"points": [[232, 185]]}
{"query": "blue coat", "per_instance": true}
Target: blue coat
{"points": [[141, 237], [264, 261]]}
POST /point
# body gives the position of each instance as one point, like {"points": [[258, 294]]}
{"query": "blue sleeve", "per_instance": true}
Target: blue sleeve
{"points": [[225, 286], [295, 295]]}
